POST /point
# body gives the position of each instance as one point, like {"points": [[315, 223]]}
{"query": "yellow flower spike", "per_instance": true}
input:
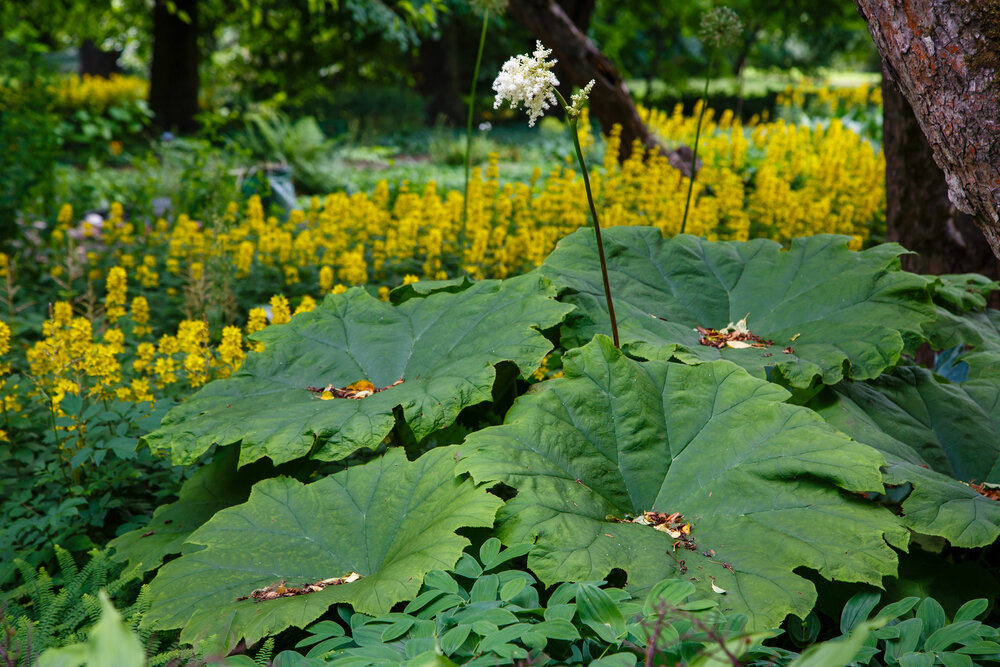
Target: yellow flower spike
{"points": [[65, 216], [308, 304], [230, 351], [144, 355], [256, 321], [280, 310], [325, 279]]}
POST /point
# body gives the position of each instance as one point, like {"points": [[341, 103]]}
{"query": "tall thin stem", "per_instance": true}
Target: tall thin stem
{"points": [[697, 136], [468, 138], [597, 225]]}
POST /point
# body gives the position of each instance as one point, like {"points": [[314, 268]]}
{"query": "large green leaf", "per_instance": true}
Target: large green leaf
{"points": [[840, 313], [210, 489], [444, 348], [936, 436], [390, 520], [979, 335], [760, 481], [962, 292]]}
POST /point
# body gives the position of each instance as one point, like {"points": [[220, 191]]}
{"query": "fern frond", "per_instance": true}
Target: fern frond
{"points": [[263, 658], [181, 655], [67, 564], [91, 607]]}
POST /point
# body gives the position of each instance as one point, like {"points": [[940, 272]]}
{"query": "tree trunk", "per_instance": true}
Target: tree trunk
{"points": [[579, 12], [945, 57], [98, 62], [919, 215], [581, 61], [173, 77], [437, 75]]}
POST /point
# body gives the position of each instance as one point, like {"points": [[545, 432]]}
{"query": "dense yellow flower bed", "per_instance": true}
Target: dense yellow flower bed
{"points": [[834, 98], [96, 94], [769, 179]]}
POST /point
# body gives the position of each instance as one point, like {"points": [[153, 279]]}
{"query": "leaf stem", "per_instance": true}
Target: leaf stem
{"points": [[468, 138], [697, 136]]}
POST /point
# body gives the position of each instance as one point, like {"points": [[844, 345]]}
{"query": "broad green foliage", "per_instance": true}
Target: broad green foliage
{"points": [[212, 488], [444, 348], [936, 436], [952, 428], [111, 644], [487, 614], [841, 313], [978, 334], [908, 632], [966, 326], [761, 483], [963, 292], [839, 651], [391, 521], [56, 610], [423, 288]]}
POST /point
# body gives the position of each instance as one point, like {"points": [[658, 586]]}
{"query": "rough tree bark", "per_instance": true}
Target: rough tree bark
{"points": [[610, 101], [173, 76], [945, 57], [919, 214]]}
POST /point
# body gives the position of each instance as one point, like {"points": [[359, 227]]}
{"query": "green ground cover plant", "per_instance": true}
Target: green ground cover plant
{"points": [[783, 455], [671, 459]]}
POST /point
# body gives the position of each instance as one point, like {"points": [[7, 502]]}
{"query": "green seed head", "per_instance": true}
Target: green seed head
{"points": [[489, 6], [720, 27]]}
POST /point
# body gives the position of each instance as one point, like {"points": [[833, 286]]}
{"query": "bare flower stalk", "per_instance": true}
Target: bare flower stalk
{"points": [[468, 137], [528, 80], [573, 118], [719, 27], [697, 137]]}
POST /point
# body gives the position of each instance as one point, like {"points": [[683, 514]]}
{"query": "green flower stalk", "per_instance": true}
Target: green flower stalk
{"points": [[529, 80], [720, 27], [486, 7]]}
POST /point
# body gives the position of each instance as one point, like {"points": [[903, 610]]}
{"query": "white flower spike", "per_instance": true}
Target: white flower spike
{"points": [[528, 80], [579, 99]]}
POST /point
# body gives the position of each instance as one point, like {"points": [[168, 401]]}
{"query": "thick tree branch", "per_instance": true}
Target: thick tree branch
{"points": [[945, 57]]}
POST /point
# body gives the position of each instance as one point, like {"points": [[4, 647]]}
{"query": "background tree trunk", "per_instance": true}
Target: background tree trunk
{"points": [[98, 62], [610, 101], [918, 213], [437, 75], [945, 57], [173, 77]]}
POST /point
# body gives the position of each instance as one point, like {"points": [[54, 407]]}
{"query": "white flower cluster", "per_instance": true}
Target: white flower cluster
{"points": [[578, 100], [528, 80]]}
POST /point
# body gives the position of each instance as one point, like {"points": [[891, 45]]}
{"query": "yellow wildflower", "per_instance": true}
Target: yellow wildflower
{"points": [[144, 355], [307, 304], [325, 279], [114, 302], [256, 321], [140, 317], [230, 351], [280, 312]]}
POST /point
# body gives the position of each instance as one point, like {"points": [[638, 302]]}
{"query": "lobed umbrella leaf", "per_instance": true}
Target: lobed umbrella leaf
{"points": [[443, 347], [390, 521], [936, 436], [761, 483], [827, 312]]}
